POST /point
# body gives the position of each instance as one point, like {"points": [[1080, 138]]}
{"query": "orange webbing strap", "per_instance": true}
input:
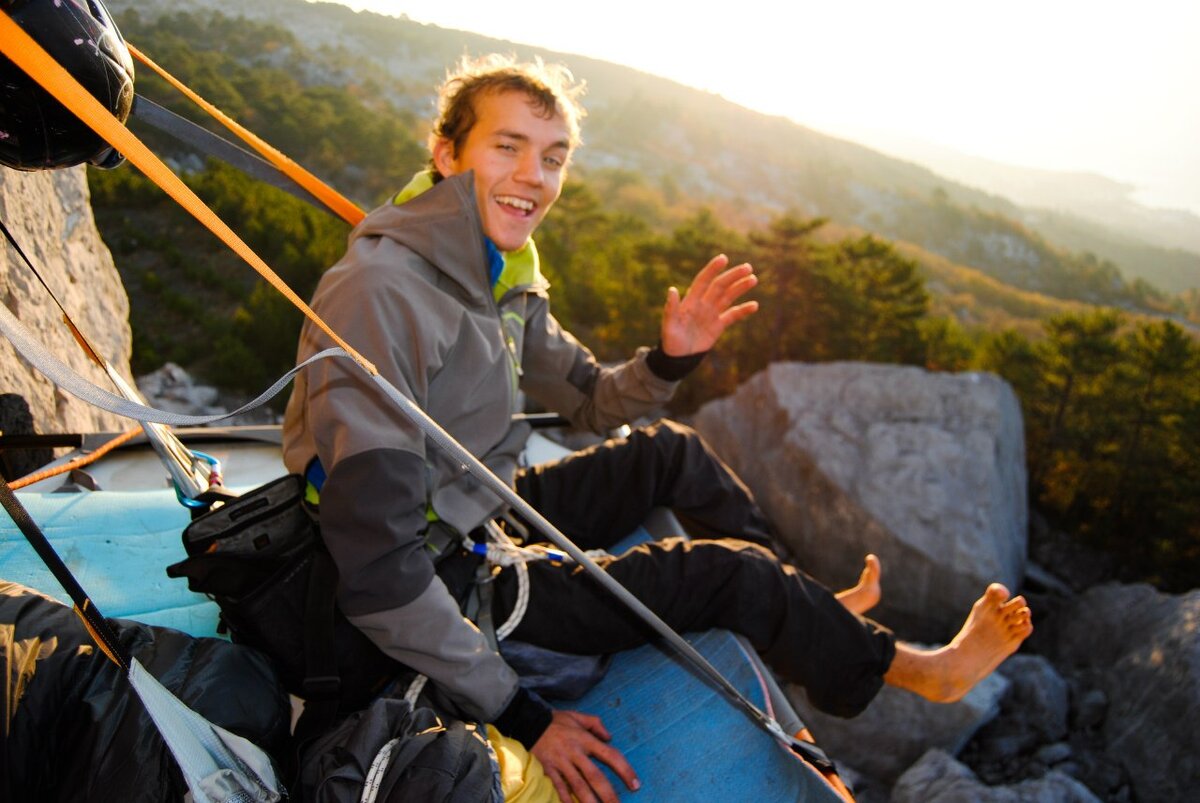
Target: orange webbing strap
{"points": [[343, 206], [831, 775], [78, 462], [80, 339], [27, 54], [106, 646]]}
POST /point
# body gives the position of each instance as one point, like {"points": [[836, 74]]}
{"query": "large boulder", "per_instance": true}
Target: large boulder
{"points": [[1141, 649], [938, 778], [925, 470], [49, 215]]}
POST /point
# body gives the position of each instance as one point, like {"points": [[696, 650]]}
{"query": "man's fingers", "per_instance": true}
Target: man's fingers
{"points": [[616, 761], [591, 723], [725, 289], [566, 750], [597, 783], [731, 291], [706, 275], [720, 283], [735, 314], [583, 788], [560, 785], [672, 301]]}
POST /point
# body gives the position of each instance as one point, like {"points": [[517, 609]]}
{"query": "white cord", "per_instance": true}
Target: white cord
{"points": [[375, 773], [522, 605], [414, 690], [379, 764], [502, 551]]}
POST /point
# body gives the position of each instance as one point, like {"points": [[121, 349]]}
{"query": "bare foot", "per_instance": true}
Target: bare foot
{"points": [[993, 631], [864, 596]]}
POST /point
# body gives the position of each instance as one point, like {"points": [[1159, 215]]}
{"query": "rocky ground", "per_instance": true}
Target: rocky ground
{"points": [[171, 388]]}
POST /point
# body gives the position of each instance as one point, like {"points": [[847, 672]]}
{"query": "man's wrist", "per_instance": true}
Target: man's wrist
{"points": [[525, 718], [672, 369]]}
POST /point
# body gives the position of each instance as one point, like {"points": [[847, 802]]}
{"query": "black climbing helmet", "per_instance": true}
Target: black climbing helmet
{"points": [[36, 131]]}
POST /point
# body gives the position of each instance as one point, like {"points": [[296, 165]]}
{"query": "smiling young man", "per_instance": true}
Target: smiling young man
{"points": [[442, 291]]}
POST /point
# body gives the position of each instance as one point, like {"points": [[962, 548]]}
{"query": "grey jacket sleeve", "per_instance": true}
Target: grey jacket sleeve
{"points": [[463, 665], [563, 374], [371, 516]]}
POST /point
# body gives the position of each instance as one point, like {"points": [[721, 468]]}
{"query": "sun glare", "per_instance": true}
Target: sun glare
{"points": [[1069, 85]]}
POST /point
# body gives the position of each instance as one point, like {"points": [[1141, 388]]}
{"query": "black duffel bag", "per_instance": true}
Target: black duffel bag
{"points": [[391, 753], [261, 558]]}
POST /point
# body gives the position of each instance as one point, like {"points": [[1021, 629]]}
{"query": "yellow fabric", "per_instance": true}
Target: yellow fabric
{"points": [[421, 181], [521, 267], [521, 775]]}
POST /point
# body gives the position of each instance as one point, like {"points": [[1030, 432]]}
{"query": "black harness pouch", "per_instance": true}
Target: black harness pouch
{"points": [[261, 558]]}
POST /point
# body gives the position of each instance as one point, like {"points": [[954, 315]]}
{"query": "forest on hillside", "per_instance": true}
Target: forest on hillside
{"points": [[1111, 398]]}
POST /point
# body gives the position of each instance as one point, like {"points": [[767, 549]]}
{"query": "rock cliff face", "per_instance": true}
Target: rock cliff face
{"points": [[925, 470], [49, 215]]}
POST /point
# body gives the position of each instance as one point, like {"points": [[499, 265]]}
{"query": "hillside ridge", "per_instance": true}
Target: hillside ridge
{"points": [[754, 165]]}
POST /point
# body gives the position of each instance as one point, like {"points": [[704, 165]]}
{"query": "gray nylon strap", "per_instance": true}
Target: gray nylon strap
{"points": [[219, 766], [218, 147], [66, 378], [483, 615]]}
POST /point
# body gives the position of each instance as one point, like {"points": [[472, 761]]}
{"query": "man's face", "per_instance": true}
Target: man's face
{"points": [[519, 159]]}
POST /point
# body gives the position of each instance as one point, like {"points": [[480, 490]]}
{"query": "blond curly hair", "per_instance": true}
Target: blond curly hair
{"points": [[551, 88]]}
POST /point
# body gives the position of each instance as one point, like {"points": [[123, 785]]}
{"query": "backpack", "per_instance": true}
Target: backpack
{"points": [[393, 753]]}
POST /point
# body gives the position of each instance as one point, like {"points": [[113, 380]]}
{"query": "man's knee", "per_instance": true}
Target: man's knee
{"points": [[672, 431], [675, 443]]}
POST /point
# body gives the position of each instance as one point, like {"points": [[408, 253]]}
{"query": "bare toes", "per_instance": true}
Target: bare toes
{"points": [[1015, 603], [996, 594]]}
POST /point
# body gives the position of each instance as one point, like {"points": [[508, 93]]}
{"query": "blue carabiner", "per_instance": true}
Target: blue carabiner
{"points": [[215, 466]]}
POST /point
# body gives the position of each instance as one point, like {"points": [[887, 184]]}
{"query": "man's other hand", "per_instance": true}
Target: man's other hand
{"points": [[693, 323], [566, 750]]}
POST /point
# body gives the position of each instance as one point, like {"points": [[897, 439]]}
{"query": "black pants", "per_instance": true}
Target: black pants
{"points": [[599, 496]]}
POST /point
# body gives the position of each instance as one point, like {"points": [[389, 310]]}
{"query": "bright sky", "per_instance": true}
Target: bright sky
{"points": [[1101, 86]]}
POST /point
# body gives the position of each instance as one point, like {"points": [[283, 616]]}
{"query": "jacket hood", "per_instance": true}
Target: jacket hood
{"points": [[432, 225]]}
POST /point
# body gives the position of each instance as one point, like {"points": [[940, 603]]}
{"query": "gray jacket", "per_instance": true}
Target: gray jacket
{"points": [[412, 294]]}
